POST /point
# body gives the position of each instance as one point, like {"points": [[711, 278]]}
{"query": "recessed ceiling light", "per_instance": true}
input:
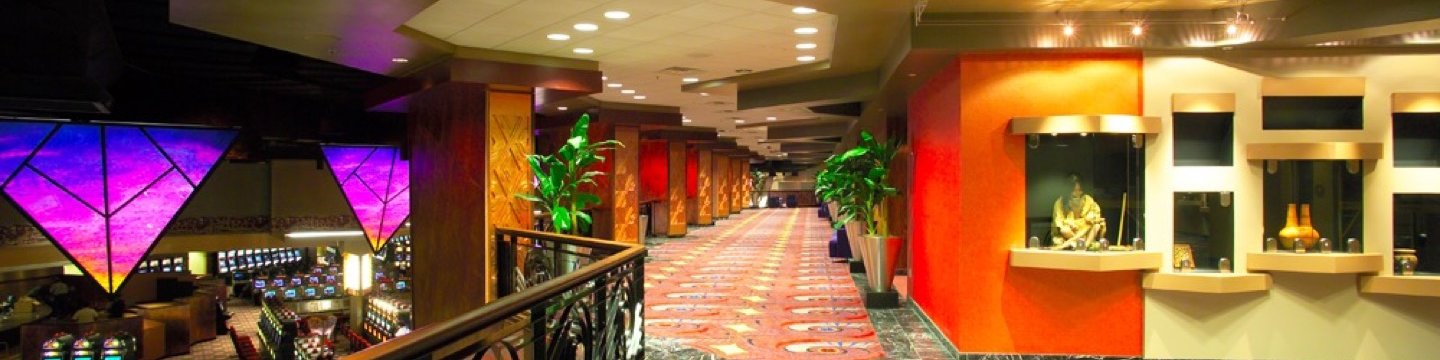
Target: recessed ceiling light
{"points": [[806, 30], [617, 15], [1068, 30], [704, 94], [399, 60], [801, 10], [603, 78], [691, 79], [806, 46], [584, 51], [1137, 30], [587, 27], [739, 121], [770, 118], [562, 108], [558, 37], [627, 91], [686, 120], [805, 58], [615, 85], [639, 97], [1232, 29]]}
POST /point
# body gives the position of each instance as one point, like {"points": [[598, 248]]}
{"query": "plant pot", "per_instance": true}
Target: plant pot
{"points": [[855, 230], [882, 252]]}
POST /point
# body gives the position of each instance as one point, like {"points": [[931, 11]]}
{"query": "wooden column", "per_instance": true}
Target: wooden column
{"points": [[704, 209], [676, 189], [722, 185], [749, 182], [618, 216], [737, 183], [464, 136]]}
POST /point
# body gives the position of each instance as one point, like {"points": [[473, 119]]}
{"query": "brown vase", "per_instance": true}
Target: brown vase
{"points": [[1292, 229], [1308, 233]]}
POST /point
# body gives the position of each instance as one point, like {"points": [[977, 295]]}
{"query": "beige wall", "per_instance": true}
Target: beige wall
{"points": [[1303, 316], [304, 188]]}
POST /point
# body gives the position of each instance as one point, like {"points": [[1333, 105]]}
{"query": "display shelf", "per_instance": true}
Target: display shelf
{"points": [[1085, 124], [1207, 282], [1085, 260], [1314, 151], [1333, 263], [1419, 285]]}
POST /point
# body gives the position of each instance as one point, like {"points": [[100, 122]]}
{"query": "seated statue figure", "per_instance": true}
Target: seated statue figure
{"points": [[1077, 221]]}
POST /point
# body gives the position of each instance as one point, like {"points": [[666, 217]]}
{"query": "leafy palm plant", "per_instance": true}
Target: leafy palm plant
{"points": [[559, 177], [856, 181]]}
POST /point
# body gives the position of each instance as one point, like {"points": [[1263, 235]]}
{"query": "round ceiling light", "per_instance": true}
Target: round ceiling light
{"points": [[558, 37], [615, 85], [805, 58], [806, 46], [584, 51], [617, 15], [691, 80], [739, 121], [801, 10], [587, 27], [1069, 30], [806, 30], [399, 60], [639, 97], [1137, 30], [562, 108], [627, 91], [770, 118]]}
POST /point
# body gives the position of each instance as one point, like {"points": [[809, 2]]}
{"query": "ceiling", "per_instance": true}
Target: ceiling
{"points": [[950, 6]]}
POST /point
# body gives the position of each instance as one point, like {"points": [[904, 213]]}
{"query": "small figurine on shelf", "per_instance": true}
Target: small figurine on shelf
{"points": [[1077, 220]]}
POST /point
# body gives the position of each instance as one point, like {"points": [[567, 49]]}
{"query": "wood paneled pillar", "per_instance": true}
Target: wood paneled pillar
{"points": [[703, 211], [675, 190], [467, 158], [722, 185], [737, 183], [618, 216]]}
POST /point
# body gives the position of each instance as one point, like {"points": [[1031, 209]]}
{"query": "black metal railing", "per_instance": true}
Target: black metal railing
{"points": [[561, 297]]}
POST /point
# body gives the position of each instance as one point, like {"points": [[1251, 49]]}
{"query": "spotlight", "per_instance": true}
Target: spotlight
{"points": [[1069, 30], [1137, 30], [1232, 29]]}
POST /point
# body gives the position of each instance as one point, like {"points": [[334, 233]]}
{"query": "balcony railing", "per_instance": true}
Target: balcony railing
{"points": [[561, 297]]}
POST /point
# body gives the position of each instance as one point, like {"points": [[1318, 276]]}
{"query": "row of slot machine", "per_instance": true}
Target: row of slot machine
{"points": [[321, 282], [164, 264], [237, 261], [66, 346]]}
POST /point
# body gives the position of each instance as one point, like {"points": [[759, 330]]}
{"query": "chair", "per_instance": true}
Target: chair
{"points": [[244, 348]]}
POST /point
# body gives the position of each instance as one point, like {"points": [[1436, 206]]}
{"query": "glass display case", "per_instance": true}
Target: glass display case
{"points": [[1204, 231], [1417, 218], [1084, 190], [1314, 206]]}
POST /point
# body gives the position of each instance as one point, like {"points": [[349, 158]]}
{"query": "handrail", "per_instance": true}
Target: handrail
{"points": [[419, 343]]}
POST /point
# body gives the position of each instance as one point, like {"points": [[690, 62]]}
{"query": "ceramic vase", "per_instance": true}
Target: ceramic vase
{"points": [[1309, 234], [1292, 230], [881, 255], [1406, 261], [1297, 230]]}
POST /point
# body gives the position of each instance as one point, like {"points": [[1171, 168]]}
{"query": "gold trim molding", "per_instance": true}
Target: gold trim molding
{"points": [[1415, 102], [1314, 151], [1203, 103], [1077, 124]]}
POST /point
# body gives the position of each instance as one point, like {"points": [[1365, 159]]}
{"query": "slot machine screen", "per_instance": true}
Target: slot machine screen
{"points": [[330, 290], [401, 285], [291, 294], [314, 279], [259, 283], [310, 292], [278, 282], [113, 357], [330, 279], [269, 293], [297, 281]]}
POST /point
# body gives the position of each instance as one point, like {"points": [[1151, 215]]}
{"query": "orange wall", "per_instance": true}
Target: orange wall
{"points": [[968, 207]]}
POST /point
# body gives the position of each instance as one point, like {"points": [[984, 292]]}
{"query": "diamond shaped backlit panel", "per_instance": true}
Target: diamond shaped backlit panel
{"points": [[376, 182], [104, 193]]}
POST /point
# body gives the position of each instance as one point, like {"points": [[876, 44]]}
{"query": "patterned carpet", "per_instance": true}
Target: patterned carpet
{"points": [[760, 285]]}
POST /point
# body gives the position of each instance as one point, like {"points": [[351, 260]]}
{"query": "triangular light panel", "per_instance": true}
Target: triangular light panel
{"points": [[376, 183], [104, 193]]}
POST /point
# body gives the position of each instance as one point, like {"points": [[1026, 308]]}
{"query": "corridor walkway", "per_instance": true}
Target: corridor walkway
{"points": [[760, 285]]}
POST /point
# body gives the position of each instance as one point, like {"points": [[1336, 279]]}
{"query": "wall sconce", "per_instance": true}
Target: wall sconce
{"points": [[359, 273]]}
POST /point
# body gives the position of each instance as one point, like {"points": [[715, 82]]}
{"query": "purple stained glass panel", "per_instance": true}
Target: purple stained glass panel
{"points": [[105, 193], [17, 141], [376, 183]]}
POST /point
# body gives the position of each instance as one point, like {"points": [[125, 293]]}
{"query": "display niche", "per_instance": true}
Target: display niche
{"points": [[1417, 234], [1312, 202], [1084, 191], [1204, 232]]}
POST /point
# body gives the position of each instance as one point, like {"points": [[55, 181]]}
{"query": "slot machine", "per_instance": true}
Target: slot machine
{"points": [[331, 291], [58, 347], [402, 285], [119, 347], [278, 281], [291, 294], [87, 348], [269, 293], [297, 280], [313, 279], [312, 292]]}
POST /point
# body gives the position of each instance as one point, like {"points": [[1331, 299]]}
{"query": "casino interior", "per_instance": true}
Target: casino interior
{"points": [[719, 179]]}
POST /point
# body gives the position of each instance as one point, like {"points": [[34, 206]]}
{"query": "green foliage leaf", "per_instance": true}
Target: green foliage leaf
{"points": [[581, 128]]}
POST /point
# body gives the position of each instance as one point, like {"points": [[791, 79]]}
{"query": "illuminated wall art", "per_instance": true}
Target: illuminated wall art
{"points": [[104, 193], [376, 183]]}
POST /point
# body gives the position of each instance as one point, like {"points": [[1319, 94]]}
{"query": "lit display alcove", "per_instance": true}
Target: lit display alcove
{"points": [[1084, 192], [1313, 207]]}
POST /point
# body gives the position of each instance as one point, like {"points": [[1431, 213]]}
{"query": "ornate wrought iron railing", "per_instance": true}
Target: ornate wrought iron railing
{"points": [[561, 297]]}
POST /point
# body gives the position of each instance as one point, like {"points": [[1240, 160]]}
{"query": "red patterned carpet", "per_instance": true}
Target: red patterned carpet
{"points": [[758, 286]]}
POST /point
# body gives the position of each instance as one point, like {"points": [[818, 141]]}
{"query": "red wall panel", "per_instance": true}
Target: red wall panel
{"points": [[654, 170], [968, 207], [692, 173]]}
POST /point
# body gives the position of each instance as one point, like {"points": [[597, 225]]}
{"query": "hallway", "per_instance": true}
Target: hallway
{"points": [[760, 285]]}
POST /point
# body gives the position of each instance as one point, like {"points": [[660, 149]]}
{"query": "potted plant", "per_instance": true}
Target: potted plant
{"points": [[559, 177], [834, 185], [866, 169], [757, 188]]}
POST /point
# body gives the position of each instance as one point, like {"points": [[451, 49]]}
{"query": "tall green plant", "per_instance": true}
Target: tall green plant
{"points": [[559, 177], [856, 181]]}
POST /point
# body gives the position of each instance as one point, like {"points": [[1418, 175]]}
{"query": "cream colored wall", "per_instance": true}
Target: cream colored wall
{"points": [[1303, 316]]}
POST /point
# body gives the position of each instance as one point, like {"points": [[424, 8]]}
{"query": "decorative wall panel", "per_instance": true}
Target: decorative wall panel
{"points": [[510, 140], [676, 188], [704, 188], [104, 193], [722, 186], [626, 181], [376, 184]]}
